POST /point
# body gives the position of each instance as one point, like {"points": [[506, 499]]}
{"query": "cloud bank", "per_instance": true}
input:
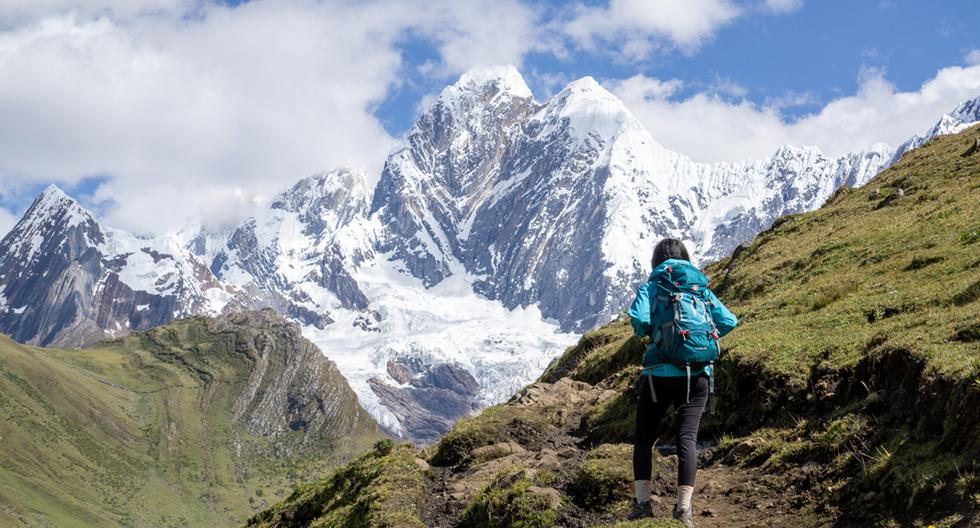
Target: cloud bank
{"points": [[178, 104], [194, 110], [711, 127], [639, 27]]}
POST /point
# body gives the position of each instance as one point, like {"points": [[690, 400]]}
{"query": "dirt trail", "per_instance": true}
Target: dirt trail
{"points": [[737, 497], [725, 495]]}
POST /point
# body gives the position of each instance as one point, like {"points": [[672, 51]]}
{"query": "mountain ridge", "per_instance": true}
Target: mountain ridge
{"points": [[547, 210], [196, 422]]}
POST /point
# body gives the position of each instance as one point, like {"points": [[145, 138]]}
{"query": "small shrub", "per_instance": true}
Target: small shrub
{"points": [[509, 505], [968, 334], [971, 236], [456, 446], [604, 478], [921, 262], [383, 447], [970, 294], [831, 293]]}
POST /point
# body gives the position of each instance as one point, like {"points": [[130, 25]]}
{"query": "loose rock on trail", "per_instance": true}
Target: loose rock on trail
{"points": [[591, 485]]}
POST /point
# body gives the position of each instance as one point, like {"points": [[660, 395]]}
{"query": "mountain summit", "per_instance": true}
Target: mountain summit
{"points": [[65, 279], [499, 229]]}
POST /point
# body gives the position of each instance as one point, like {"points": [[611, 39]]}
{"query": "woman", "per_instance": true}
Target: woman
{"points": [[665, 379]]}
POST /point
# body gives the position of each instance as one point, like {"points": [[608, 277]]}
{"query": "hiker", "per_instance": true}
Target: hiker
{"points": [[685, 320]]}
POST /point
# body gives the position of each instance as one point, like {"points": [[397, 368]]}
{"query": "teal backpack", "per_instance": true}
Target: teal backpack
{"points": [[689, 337]]}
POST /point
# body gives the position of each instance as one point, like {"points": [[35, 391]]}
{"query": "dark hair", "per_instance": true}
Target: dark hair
{"points": [[669, 248]]}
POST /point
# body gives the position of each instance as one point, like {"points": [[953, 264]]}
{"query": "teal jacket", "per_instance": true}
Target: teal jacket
{"points": [[640, 316]]}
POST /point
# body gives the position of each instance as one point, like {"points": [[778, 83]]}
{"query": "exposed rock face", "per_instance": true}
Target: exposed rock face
{"points": [[430, 398], [67, 280], [447, 168], [291, 386], [280, 385]]}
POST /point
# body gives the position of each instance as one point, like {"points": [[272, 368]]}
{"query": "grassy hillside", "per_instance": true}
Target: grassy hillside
{"points": [[858, 347], [178, 426], [848, 396]]}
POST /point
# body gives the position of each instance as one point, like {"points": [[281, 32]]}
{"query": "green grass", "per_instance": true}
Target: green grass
{"points": [[500, 423], [864, 318], [605, 478], [138, 432], [824, 284], [382, 488], [507, 503]]}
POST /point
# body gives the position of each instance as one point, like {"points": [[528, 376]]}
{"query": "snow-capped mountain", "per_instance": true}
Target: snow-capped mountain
{"points": [[297, 254], [67, 280], [560, 204], [962, 117], [501, 228]]}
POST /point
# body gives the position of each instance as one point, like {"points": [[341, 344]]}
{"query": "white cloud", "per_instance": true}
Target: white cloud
{"points": [[7, 221], [784, 6], [15, 12], [478, 32], [727, 87], [641, 26], [791, 99], [973, 57], [179, 109], [710, 128]]}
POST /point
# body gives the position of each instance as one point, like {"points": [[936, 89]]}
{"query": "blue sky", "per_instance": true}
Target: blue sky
{"points": [[156, 113], [815, 52]]}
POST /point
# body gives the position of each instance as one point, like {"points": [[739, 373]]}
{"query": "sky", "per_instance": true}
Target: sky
{"points": [[158, 114]]}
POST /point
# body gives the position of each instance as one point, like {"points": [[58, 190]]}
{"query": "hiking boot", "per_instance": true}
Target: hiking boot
{"points": [[684, 516], [640, 510]]}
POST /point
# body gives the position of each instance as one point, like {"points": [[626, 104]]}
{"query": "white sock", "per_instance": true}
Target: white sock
{"points": [[642, 488], [684, 494]]}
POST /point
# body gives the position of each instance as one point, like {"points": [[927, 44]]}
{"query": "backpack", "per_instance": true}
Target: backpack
{"points": [[689, 337]]}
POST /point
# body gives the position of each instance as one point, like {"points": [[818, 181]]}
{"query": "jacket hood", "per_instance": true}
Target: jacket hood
{"points": [[680, 272]]}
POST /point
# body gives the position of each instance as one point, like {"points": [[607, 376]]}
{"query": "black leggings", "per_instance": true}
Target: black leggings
{"points": [[648, 417]]}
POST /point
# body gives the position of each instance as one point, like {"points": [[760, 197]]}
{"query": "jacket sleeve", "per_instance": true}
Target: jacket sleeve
{"points": [[640, 311], [724, 319]]}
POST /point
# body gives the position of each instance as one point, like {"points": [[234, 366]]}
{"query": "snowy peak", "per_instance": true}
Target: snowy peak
{"points": [[56, 210], [323, 189], [76, 281], [589, 110], [965, 114], [52, 218], [486, 93], [496, 80], [447, 167], [328, 200], [967, 111]]}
